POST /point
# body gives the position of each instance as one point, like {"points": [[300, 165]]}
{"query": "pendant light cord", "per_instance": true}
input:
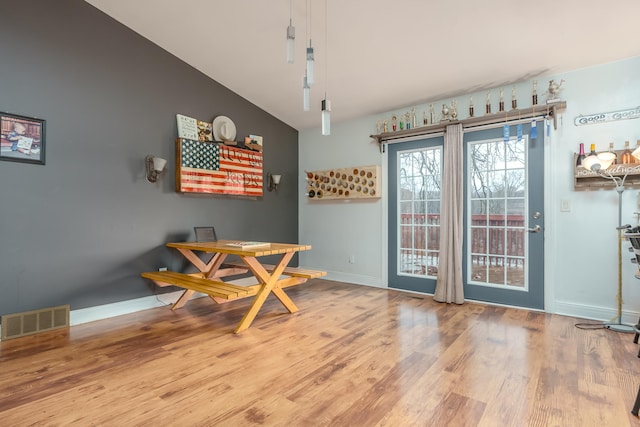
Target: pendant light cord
{"points": [[309, 21], [326, 49]]}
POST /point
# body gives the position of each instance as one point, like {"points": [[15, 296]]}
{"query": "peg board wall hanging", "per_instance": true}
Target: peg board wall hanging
{"points": [[344, 183]]}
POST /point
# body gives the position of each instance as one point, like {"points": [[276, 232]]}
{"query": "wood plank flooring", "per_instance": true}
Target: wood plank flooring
{"points": [[352, 356]]}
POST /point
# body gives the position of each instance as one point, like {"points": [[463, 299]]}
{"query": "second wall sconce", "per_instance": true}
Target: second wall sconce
{"points": [[273, 181], [155, 167]]}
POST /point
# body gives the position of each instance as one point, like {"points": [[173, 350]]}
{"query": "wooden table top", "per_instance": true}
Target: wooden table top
{"points": [[223, 246]]}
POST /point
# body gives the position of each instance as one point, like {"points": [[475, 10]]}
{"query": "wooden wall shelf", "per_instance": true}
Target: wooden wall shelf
{"points": [[471, 122], [586, 179]]}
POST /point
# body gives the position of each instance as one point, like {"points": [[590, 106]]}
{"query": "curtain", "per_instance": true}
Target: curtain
{"points": [[449, 286]]}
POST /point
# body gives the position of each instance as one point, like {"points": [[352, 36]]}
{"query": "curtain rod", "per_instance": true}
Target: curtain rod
{"points": [[513, 116]]}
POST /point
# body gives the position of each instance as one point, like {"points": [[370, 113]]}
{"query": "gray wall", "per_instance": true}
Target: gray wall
{"points": [[82, 228]]}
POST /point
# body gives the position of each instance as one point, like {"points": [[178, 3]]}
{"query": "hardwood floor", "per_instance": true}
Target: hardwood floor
{"points": [[352, 356]]}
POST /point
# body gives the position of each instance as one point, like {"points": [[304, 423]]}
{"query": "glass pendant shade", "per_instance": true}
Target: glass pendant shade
{"points": [[606, 159], [291, 42], [326, 117], [305, 94], [310, 79]]}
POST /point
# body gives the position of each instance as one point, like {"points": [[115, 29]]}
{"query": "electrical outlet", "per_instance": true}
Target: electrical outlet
{"points": [[162, 269], [352, 259]]}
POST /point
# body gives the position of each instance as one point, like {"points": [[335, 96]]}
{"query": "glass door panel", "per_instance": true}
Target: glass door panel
{"points": [[415, 175], [504, 183]]}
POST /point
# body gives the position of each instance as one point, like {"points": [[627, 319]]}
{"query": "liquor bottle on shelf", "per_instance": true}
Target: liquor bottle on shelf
{"points": [[591, 161], [626, 154], [615, 159], [580, 155]]}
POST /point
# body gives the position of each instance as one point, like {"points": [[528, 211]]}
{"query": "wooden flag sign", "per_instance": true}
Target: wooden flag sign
{"points": [[208, 167]]}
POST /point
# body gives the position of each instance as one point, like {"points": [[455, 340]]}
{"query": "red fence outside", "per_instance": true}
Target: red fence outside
{"points": [[488, 236]]}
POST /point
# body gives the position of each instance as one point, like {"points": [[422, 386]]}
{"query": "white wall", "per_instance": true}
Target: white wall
{"points": [[584, 269], [339, 229], [580, 245]]}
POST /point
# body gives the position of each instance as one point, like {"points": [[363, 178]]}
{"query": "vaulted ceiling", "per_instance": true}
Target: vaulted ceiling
{"points": [[374, 56]]}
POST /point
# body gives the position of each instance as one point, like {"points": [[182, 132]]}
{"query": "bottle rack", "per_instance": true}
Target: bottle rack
{"points": [[584, 179], [552, 110], [358, 182]]}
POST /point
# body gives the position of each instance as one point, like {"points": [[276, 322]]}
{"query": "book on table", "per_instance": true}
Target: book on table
{"points": [[247, 244]]}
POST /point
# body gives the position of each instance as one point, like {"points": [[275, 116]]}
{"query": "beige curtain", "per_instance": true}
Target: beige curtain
{"points": [[449, 285]]}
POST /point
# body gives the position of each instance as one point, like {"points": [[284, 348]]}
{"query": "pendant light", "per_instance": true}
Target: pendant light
{"points": [[326, 104], [326, 116], [305, 93], [310, 59], [291, 37]]}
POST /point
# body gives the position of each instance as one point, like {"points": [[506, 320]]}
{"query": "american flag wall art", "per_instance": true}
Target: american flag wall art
{"points": [[209, 167]]}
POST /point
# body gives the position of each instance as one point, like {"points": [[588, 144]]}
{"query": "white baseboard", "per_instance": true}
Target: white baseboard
{"points": [[99, 312], [106, 311], [354, 278], [602, 314]]}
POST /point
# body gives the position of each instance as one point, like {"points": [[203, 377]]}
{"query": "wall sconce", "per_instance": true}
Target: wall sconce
{"points": [[273, 181], [155, 167]]}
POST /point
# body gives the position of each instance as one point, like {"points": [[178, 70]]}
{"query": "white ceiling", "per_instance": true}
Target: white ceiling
{"points": [[382, 55]]}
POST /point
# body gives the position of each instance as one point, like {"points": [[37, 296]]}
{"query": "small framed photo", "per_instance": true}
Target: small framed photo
{"points": [[21, 139]]}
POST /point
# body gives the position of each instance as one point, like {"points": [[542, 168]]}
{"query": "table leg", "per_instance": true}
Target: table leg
{"points": [[208, 269], [214, 265], [285, 300], [186, 295], [269, 282], [636, 405]]}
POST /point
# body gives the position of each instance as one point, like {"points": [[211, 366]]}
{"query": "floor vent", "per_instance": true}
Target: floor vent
{"points": [[33, 322]]}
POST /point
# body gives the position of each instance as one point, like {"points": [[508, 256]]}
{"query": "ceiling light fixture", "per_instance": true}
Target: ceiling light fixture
{"points": [[326, 116], [310, 59], [291, 37], [305, 93], [326, 104]]}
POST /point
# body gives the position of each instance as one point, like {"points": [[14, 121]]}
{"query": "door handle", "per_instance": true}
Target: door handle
{"points": [[535, 229]]}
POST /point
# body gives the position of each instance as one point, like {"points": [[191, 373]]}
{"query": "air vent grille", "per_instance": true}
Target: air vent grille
{"points": [[32, 322]]}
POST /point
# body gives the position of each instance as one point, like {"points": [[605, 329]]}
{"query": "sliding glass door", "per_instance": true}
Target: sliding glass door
{"points": [[415, 175], [504, 219], [503, 216]]}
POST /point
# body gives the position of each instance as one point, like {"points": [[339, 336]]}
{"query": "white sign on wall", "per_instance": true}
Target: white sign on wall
{"points": [[592, 119]]}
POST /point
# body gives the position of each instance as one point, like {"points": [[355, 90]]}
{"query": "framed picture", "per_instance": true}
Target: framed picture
{"points": [[205, 234], [21, 139]]}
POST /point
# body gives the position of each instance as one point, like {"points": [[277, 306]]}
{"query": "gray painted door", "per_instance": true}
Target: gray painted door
{"points": [[503, 243], [503, 200], [415, 171]]}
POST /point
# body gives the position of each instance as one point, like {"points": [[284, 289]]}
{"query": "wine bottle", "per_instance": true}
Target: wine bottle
{"points": [[580, 155], [626, 154], [591, 161]]}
